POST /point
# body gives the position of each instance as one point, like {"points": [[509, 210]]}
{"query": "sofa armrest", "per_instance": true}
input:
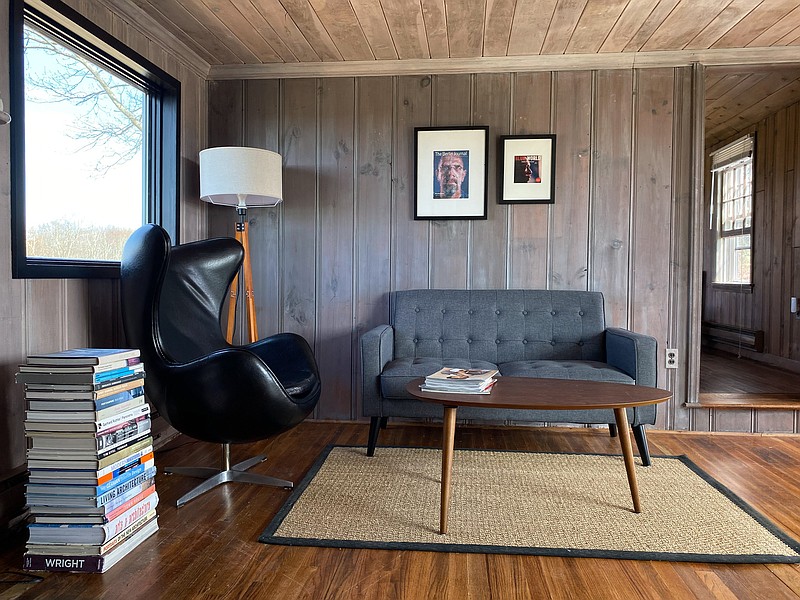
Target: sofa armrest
{"points": [[377, 349], [632, 353]]}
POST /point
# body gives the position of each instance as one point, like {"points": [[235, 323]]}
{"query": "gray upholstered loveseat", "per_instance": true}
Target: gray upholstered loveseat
{"points": [[524, 333]]}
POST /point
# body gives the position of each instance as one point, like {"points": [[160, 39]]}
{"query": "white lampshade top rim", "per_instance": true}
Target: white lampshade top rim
{"points": [[241, 176]]}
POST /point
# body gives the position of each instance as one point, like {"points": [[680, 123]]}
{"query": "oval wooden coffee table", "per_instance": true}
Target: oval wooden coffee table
{"points": [[542, 394]]}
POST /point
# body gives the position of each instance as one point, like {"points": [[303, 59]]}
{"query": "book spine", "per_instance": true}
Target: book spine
{"points": [[130, 516], [118, 398], [117, 436], [115, 503], [124, 463], [123, 478], [127, 505], [123, 417], [125, 486], [116, 409], [123, 445], [68, 564], [117, 373]]}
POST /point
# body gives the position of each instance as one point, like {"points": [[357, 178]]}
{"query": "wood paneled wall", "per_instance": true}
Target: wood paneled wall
{"points": [[345, 235], [776, 244], [50, 315]]}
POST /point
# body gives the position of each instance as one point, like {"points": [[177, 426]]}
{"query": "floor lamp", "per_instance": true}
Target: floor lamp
{"points": [[241, 177]]}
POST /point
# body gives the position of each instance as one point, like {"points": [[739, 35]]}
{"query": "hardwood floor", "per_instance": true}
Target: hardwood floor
{"points": [[723, 372], [209, 549]]}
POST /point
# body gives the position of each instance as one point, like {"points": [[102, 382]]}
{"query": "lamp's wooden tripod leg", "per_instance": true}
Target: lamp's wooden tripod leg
{"points": [[250, 297], [233, 299]]}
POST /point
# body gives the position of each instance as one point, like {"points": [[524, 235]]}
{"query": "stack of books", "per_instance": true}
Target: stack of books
{"points": [[91, 491], [460, 381]]}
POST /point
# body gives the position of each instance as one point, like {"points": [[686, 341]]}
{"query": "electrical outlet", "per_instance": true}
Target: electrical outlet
{"points": [[671, 358]]}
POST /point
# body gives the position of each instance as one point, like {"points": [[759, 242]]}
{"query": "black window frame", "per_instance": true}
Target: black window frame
{"points": [[162, 140]]}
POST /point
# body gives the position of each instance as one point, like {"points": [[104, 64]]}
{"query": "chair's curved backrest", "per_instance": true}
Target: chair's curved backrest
{"points": [[172, 299]]}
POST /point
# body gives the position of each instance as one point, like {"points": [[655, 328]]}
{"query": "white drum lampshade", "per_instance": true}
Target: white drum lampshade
{"points": [[238, 176]]}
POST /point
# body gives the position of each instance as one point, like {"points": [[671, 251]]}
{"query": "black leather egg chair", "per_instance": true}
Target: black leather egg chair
{"points": [[172, 300]]}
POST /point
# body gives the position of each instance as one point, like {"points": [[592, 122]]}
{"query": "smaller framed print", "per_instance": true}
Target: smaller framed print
{"points": [[450, 172], [527, 169]]}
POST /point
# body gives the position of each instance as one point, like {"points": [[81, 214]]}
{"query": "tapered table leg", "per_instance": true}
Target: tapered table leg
{"points": [[627, 454], [448, 440]]}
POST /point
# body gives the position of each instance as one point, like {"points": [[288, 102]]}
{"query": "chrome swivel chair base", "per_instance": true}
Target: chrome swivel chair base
{"points": [[214, 477]]}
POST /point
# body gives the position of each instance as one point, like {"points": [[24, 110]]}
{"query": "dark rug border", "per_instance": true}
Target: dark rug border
{"points": [[269, 537]]}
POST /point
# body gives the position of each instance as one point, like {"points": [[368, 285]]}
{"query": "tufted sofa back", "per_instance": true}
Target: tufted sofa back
{"points": [[499, 325]]}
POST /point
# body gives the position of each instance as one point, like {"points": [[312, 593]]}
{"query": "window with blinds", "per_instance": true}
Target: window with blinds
{"points": [[732, 211]]}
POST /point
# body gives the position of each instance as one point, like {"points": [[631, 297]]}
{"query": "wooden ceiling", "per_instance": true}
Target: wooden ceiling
{"points": [[231, 32], [295, 38]]}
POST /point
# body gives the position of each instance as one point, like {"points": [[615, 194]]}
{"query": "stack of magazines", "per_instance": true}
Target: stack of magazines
{"points": [[460, 381], [91, 492]]}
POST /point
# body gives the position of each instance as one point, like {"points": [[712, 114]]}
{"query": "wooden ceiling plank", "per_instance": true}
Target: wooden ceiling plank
{"points": [[243, 28], [529, 27], [373, 23], [629, 22], [770, 104], [716, 87], [761, 94], [211, 22], [725, 21], [741, 87], [172, 17], [465, 20], [499, 16], [595, 24], [789, 38], [683, 24], [262, 27], [341, 23], [757, 22], [307, 21], [286, 29], [651, 23], [786, 26], [407, 26], [565, 19]]}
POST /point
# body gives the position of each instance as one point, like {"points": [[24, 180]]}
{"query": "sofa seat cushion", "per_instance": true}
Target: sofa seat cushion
{"points": [[564, 369], [397, 373]]}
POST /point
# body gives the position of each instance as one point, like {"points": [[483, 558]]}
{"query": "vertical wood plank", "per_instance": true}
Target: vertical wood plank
{"points": [[193, 211], [335, 246], [789, 216], [261, 113], [450, 237], [776, 304], [529, 222], [410, 237], [373, 212], [489, 244], [685, 115], [299, 150], [652, 205], [570, 222], [611, 192], [225, 127]]}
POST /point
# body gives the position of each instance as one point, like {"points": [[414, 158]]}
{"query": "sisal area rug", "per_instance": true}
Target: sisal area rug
{"points": [[525, 503]]}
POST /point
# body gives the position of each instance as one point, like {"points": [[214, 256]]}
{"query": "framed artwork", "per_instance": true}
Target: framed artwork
{"points": [[527, 169], [450, 172]]}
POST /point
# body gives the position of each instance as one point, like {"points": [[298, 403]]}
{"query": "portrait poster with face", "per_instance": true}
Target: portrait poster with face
{"points": [[526, 169], [450, 174]]}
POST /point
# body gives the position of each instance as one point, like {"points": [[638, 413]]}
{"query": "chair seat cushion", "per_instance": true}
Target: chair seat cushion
{"points": [[565, 369], [400, 371]]}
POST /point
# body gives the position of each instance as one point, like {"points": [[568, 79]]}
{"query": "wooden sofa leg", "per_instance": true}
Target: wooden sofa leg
{"points": [[641, 442], [374, 428], [612, 429]]}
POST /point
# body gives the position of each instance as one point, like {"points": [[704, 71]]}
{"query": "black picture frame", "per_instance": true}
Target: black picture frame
{"points": [[526, 169], [451, 169]]}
